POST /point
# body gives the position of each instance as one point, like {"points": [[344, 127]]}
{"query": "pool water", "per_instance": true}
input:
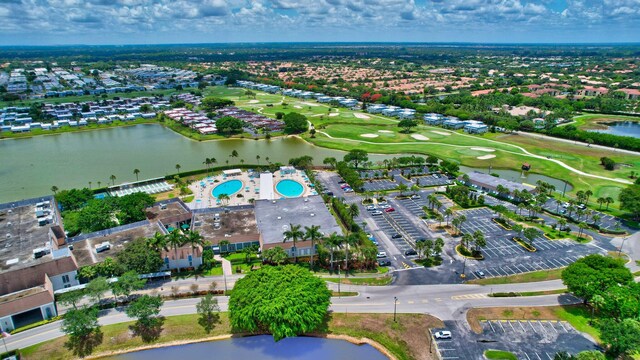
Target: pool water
{"points": [[228, 187], [289, 188]]}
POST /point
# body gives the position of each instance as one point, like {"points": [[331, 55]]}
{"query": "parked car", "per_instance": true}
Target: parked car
{"points": [[415, 196], [370, 207], [341, 181], [410, 252], [396, 236], [480, 274], [389, 210], [384, 206], [381, 254], [376, 213], [384, 262], [443, 334]]}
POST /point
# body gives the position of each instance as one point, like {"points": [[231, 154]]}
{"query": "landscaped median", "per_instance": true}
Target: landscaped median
{"points": [[403, 340], [524, 244]]}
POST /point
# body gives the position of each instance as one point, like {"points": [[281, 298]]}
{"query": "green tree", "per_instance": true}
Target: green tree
{"points": [[294, 234], [594, 274], [275, 255], [96, 215], [333, 242], [630, 200], [81, 325], [96, 289], [71, 298], [285, 301], [146, 310], [136, 172], [175, 239], [209, 313], [229, 125], [210, 103], [407, 125], [356, 157], [126, 284], [295, 123], [54, 189], [139, 257], [113, 179], [312, 233], [621, 337], [531, 234]]}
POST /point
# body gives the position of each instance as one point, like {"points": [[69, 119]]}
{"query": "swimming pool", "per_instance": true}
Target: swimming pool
{"points": [[289, 188], [228, 187]]}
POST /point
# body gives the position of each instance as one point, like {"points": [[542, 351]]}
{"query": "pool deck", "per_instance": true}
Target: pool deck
{"points": [[250, 188]]}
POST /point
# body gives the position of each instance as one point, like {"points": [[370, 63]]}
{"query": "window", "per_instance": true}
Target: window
{"points": [[66, 286], [65, 279]]}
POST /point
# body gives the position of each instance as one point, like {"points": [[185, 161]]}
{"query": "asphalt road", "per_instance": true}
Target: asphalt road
{"points": [[447, 302]]}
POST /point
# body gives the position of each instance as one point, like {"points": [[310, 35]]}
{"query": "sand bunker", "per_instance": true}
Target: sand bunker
{"points": [[385, 131], [370, 135], [297, 106], [483, 149], [361, 116], [440, 132], [485, 157], [419, 137], [309, 104], [334, 114], [254, 101]]}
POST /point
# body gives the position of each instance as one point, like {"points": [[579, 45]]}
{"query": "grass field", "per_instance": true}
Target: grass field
{"points": [[500, 355], [405, 339], [534, 276]]}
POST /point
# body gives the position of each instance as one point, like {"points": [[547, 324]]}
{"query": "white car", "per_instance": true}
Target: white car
{"points": [[385, 206], [371, 207], [377, 212], [381, 254], [443, 335]]}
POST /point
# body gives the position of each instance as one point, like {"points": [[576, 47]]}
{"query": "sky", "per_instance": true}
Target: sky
{"points": [[98, 22]]}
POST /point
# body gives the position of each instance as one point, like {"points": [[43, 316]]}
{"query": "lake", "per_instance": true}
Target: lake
{"points": [[262, 347], [622, 128], [30, 166], [517, 176]]}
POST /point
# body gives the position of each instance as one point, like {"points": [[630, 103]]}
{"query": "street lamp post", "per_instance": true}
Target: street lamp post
{"points": [[395, 303], [621, 245]]}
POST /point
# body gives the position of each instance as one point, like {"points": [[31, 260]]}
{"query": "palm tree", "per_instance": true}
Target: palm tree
{"points": [[333, 241], [224, 198], [518, 229], [312, 233], [99, 183], [113, 179], [158, 241], [234, 154], [136, 172], [213, 160], [440, 218], [402, 188], [608, 200], [581, 226], [175, 240], [90, 185], [601, 201], [54, 189], [462, 219], [350, 240], [207, 163], [415, 189], [294, 234], [588, 194], [479, 240], [561, 224], [447, 213], [194, 239], [353, 210], [267, 159], [178, 168]]}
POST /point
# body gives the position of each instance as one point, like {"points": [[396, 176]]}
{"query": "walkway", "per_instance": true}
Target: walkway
{"points": [[227, 269]]}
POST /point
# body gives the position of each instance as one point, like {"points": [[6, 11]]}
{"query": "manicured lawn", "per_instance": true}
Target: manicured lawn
{"points": [[590, 121], [405, 339], [534, 276], [375, 281], [500, 355]]}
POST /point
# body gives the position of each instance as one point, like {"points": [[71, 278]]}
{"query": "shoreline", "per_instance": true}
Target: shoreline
{"points": [[353, 340]]}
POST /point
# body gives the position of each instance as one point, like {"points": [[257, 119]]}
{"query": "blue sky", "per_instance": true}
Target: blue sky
{"points": [[52, 22]]}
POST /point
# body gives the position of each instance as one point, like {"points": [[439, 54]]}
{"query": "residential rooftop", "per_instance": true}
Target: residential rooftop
{"points": [[233, 226]]}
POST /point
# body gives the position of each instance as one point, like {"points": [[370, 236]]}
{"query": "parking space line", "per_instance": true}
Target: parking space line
{"points": [[502, 327], [527, 355], [553, 327], [549, 356], [492, 329], [532, 328], [523, 330], [539, 323]]}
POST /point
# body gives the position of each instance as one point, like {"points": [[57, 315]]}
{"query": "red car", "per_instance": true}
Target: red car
{"points": [[389, 209]]}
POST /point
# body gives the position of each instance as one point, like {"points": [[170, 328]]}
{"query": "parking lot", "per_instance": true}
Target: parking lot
{"points": [[379, 185], [528, 339], [504, 257], [430, 180]]}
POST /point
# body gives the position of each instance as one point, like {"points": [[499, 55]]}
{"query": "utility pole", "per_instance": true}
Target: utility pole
{"points": [[395, 303]]}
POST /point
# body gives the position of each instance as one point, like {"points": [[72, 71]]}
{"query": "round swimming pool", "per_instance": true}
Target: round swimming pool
{"points": [[289, 188], [228, 187]]}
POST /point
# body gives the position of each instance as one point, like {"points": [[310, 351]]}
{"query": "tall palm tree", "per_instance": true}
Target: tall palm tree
{"points": [[213, 161], [267, 159], [312, 233], [349, 241], [178, 168], [99, 183], [224, 198], [175, 239], [54, 189], [90, 185], [333, 241], [158, 241], [353, 210], [136, 172], [234, 154], [294, 234], [608, 200], [113, 179], [194, 239], [447, 213], [587, 194], [601, 201], [207, 163], [258, 159]]}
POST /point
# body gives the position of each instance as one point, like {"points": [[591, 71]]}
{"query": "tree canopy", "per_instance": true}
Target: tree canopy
{"points": [[295, 123], [140, 257], [212, 103], [356, 156], [285, 301], [630, 200], [229, 125], [594, 274], [407, 124]]}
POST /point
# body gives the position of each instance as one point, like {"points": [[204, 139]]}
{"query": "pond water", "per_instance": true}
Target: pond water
{"points": [[623, 128], [263, 348], [523, 177], [30, 166]]}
